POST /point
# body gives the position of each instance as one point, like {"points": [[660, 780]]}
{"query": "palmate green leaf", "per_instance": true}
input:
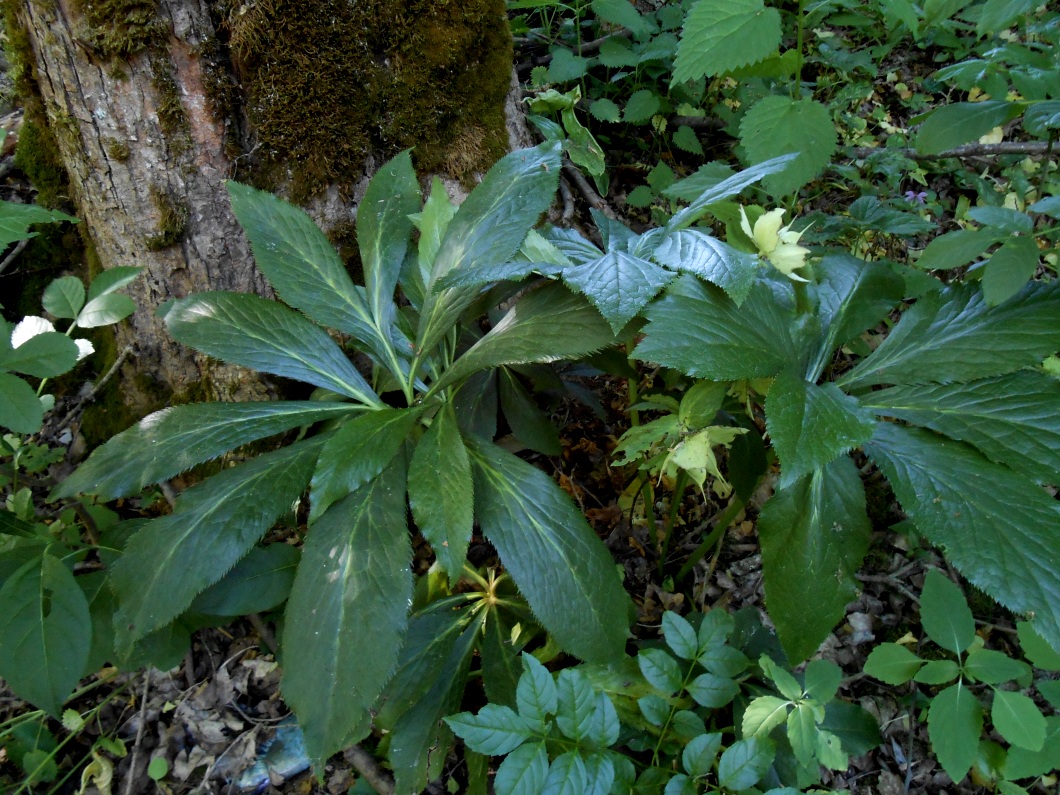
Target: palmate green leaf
{"points": [[47, 632], [346, 616], [960, 122], [16, 219], [566, 775], [854, 295], [726, 188], [20, 408], [489, 227], [523, 771], [559, 565], [266, 336], [697, 329], [43, 356], [175, 439], [420, 738], [303, 267], [64, 297], [944, 613], [952, 335], [777, 125], [811, 425], [696, 252], [1012, 419], [892, 663], [814, 536], [494, 731], [441, 491], [546, 325], [215, 523], [955, 721], [618, 284], [357, 452], [536, 695], [719, 37], [1000, 530], [259, 582]]}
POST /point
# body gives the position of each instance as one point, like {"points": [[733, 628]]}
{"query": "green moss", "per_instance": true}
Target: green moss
{"points": [[172, 220], [171, 115], [116, 150], [120, 28], [329, 81]]}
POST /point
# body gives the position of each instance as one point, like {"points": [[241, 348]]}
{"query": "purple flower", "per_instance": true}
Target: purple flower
{"points": [[915, 198]]}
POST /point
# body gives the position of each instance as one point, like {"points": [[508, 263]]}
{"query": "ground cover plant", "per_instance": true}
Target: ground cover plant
{"points": [[839, 333]]}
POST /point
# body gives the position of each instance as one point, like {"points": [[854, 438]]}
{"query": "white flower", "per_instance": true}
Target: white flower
{"points": [[776, 243], [29, 327]]}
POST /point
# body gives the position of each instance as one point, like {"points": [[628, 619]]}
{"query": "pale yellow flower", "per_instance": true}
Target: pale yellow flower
{"points": [[776, 243]]}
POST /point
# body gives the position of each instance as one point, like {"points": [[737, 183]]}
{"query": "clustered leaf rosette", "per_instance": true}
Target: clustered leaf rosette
{"points": [[777, 244]]}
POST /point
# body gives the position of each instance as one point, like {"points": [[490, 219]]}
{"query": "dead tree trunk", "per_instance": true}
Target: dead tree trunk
{"points": [[153, 105]]}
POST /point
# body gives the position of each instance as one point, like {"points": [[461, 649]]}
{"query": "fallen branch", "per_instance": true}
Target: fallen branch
{"points": [[1026, 148], [591, 196], [364, 763]]}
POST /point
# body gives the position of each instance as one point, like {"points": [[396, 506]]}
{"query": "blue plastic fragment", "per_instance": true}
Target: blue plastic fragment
{"points": [[284, 756]]}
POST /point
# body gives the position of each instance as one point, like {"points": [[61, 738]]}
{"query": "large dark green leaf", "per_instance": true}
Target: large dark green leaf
{"points": [[489, 227], [726, 188], [547, 324], [175, 439], [383, 229], [700, 331], [697, 252], [812, 425], [1013, 419], [619, 284], [215, 523], [347, 613], [854, 296], [441, 491], [420, 739], [260, 581], [529, 424], [960, 122], [46, 631], [559, 565], [20, 408], [266, 336], [303, 266], [358, 452], [952, 335], [16, 219], [43, 356], [1000, 530], [814, 536]]}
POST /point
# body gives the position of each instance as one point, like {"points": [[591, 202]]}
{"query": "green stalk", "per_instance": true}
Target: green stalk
{"points": [[722, 523], [671, 516]]}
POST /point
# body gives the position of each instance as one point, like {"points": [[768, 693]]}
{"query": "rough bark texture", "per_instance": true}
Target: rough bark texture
{"points": [[154, 105]]}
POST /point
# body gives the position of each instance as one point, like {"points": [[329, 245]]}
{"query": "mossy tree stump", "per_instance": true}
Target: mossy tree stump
{"points": [[152, 104]]}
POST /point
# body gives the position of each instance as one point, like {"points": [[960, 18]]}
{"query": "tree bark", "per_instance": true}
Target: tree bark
{"points": [[154, 105]]}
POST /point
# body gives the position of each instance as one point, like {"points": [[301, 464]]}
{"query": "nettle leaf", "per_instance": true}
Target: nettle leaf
{"points": [[960, 122], [175, 439], [696, 252], [1012, 419], [266, 336], [47, 632], [547, 324], [730, 186], [952, 335], [1009, 268], [812, 425], [720, 37], [854, 295], [357, 452], [575, 705], [488, 227], [955, 722], [571, 244], [303, 267], [441, 491], [814, 535], [892, 663], [619, 12], [20, 408], [559, 565], [215, 523], [1001, 531], [523, 771], [64, 297], [1018, 720], [744, 762], [618, 284], [777, 125], [697, 329], [944, 613], [494, 731], [536, 695], [351, 594], [641, 106]]}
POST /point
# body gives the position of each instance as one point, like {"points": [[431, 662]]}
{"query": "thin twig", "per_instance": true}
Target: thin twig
{"points": [[591, 196], [1027, 148], [13, 255], [263, 632], [102, 382], [568, 202], [129, 782], [364, 763]]}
